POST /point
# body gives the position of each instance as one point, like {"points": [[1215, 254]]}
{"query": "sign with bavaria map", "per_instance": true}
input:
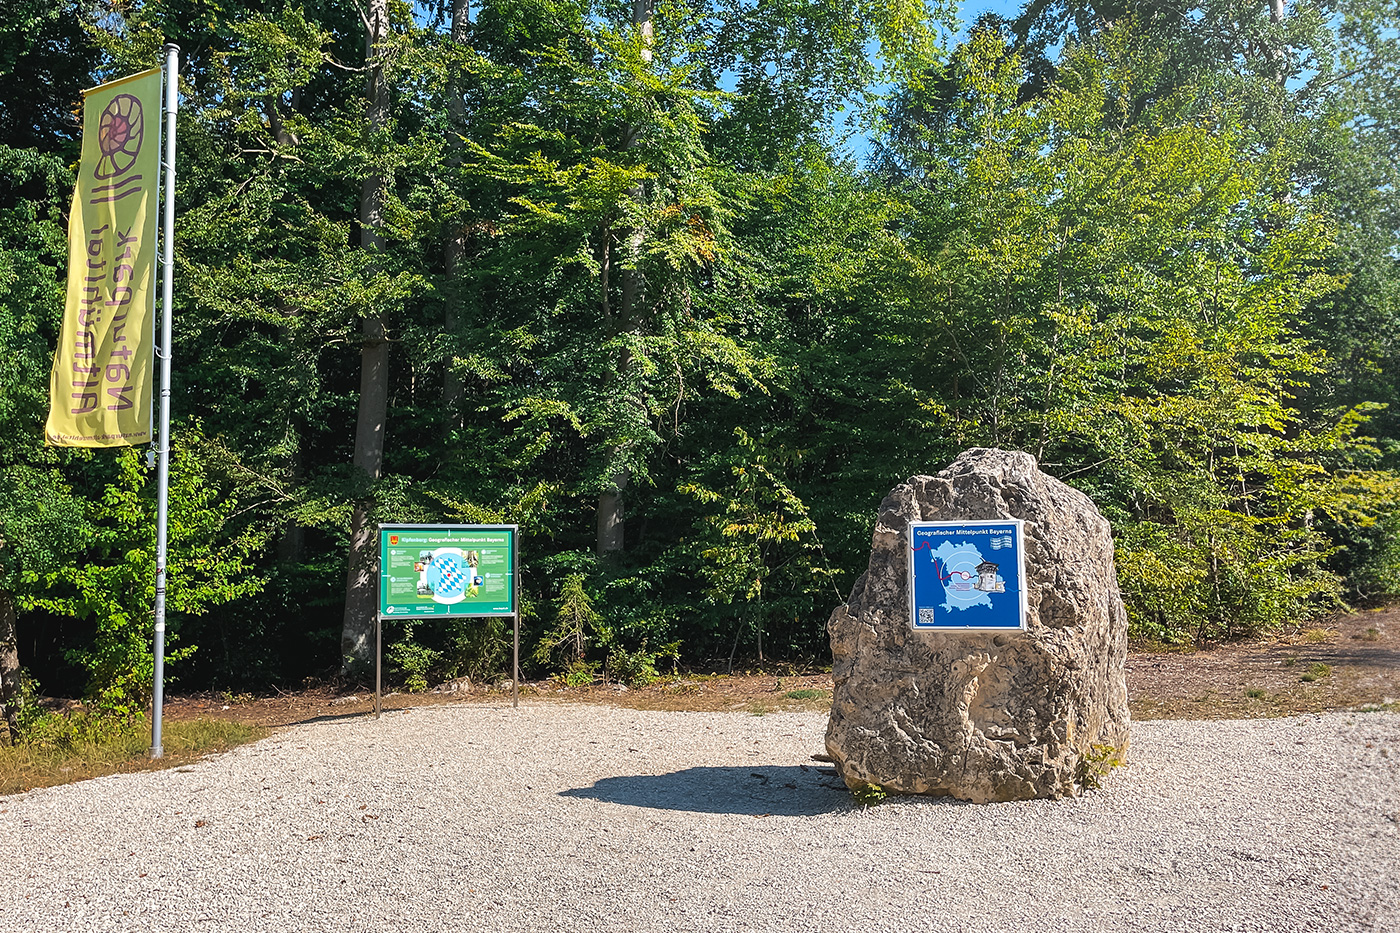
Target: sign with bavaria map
{"points": [[967, 576], [446, 570]]}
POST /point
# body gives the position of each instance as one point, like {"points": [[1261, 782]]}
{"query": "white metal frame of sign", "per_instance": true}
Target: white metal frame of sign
{"points": [[379, 616], [1003, 538]]}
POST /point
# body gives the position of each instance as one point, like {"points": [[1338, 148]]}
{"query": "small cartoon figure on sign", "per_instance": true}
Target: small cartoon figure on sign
{"points": [[987, 580], [474, 581]]}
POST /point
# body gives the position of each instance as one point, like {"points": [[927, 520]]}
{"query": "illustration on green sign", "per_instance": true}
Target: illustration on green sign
{"points": [[458, 570], [448, 575]]}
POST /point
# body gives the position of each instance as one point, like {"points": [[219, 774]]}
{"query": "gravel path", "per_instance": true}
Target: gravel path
{"points": [[566, 818]]}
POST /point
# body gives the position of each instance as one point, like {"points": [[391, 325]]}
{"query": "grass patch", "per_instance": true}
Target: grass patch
{"points": [[1254, 693], [1372, 634], [805, 694], [1316, 636], [1149, 645], [44, 763], [1316, 671], [868, 795]]}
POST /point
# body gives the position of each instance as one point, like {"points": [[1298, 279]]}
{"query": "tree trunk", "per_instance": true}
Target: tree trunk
{"points": [[456, 247], [610, 518], [611, 525], [9, 665], [360, 602], [461, 24], [291, 540]]}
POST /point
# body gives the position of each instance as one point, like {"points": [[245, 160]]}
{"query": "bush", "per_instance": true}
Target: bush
{"points": [[633, 668], [578, 674], [1372, 564], [1221, 575], [115, 583], [449, 648], [412, 661]]}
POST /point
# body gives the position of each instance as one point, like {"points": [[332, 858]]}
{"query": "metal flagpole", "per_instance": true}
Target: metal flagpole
{"points": [[172, 103]]}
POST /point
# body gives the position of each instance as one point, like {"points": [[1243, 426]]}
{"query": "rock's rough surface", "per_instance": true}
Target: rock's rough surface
{"points": [[985, 716]]}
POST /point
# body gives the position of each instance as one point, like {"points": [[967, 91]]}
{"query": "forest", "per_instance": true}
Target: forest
{"points": [[683, 288]]}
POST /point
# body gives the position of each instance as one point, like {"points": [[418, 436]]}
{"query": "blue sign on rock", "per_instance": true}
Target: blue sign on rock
{"points": [[967, 576]]}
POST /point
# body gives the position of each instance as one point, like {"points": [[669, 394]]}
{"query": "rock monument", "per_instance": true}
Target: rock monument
{"points": [[984, 716]]}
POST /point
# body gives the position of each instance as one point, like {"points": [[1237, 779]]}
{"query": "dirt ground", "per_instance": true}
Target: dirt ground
{"points": [[1351, 661]]}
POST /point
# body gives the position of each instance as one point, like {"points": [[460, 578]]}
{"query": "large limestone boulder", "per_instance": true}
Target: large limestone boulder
{"points": [[985, 716]]}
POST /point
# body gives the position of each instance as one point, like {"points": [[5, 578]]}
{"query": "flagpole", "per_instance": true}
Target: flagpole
{"points": [[172, 103]]}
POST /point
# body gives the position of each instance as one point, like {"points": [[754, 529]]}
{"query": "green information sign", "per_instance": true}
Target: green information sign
{"points": [[446, 570]]}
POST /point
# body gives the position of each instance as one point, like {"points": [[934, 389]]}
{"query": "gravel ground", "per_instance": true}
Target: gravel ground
{"points": [[555, 817]]}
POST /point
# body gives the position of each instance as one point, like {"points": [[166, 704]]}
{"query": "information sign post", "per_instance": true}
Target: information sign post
{"points": [[967, 576], [458, 571]]}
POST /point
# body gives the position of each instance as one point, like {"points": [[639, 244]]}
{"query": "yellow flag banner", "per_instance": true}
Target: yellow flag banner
{"points": [[100, 390]]}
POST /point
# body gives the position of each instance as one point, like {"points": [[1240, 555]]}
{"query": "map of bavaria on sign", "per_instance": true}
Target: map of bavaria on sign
{"points": [[967, 576]]}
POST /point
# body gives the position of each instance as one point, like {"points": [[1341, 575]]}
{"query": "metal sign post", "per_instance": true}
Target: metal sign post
{"points": [[460, 571], [515, 621]]}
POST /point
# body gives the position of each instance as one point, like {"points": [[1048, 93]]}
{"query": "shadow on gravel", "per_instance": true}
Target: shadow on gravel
{"points": [[751, 791], [329, 717]]}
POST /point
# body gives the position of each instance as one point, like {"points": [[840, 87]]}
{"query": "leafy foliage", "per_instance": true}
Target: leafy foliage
{"points": [[1126, 301], [115, 585], [620, 258]]}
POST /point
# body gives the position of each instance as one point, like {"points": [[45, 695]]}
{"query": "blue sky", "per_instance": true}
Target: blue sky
{"points": [[968, 12], [858, 147]]}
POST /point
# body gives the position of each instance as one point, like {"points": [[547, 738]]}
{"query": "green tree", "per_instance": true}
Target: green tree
{"points": [[46, 59], [1316, 79], [114, 583], [41, 522], [1118, 284]]}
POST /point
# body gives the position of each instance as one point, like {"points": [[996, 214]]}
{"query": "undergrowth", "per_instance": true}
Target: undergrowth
{"points": [[63, 748]]}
